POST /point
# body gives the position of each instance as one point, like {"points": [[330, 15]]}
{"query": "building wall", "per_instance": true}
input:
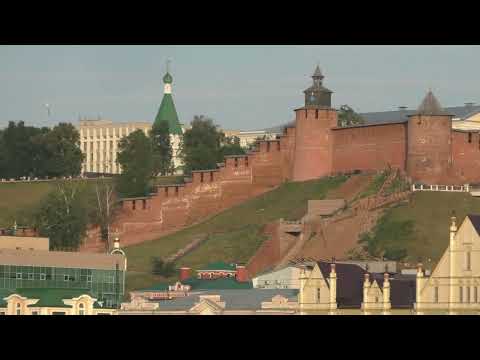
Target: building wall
{"points": [[369, 147], [210, 191], [313, 143], [454, 285], [24, 242], [430, 149], [99, 140], [466, 157]]}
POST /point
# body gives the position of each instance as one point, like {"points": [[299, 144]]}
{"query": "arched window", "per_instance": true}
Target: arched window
{"points": [[18, 310], [81, 309]]}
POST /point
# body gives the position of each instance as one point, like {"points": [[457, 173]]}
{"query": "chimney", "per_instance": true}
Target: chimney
{"points": [[242, 275], [184, 273]]}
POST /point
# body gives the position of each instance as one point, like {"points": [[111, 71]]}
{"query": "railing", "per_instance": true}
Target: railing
{"points": [[449, 188]]}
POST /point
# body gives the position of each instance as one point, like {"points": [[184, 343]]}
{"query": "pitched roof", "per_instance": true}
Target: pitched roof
{"points": [[318, 72], [246, 299], [350, 278], [349, 283], [167, 112], [430, 106], [61, 259], [475, 219]]}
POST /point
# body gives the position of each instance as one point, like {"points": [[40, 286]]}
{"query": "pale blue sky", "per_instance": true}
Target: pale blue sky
{"points": [[240, 87]]}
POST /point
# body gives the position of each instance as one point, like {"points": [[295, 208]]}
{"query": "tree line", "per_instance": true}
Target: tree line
{"points": [[39, 152], [143, 157], [65, 213]]}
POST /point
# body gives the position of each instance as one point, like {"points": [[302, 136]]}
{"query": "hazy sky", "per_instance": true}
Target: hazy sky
{"points": [[240, 87]]}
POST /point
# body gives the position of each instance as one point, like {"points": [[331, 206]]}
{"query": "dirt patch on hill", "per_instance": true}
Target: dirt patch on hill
{"points": [[350, 188]]}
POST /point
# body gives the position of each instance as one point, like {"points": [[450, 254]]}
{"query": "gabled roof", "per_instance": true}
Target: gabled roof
{"points": [[349, 283], [475, 220]]}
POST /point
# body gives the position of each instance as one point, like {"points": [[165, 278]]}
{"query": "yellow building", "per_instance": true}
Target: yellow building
{"points": [[453, 286]]}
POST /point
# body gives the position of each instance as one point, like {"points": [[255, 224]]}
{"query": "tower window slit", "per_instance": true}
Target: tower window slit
{"points": [[211, 176], [133, 205], [144, 204], [236, 162], [316, 114], [469, 137], [201, 177], [176, 190], [268, 146], [166, 191]]}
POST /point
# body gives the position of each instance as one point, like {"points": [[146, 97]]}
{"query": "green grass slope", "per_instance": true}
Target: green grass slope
{"points": [[430, 214], [232, 236], [18, 200]]}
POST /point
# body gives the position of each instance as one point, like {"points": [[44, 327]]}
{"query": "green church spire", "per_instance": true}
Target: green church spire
{"points": [[167, 111]]}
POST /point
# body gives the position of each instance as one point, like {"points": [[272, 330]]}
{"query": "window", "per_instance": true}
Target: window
{"points": [[43, 277], [81, 309], [66, 277], [469, 137], [30, 276], [460, 289], [18, 309], [19, 276], [318, 295], [34, 312], [89, 278], [2, 312], [435, 296], [468, 261], [468, 294], [475, 294], [376, 299]]}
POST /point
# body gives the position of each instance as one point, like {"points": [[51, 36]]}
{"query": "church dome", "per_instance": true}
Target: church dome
{"points": [[167, 79]]}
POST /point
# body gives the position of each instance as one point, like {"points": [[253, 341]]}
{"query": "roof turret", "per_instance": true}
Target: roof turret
{"points": [[430, 106]]}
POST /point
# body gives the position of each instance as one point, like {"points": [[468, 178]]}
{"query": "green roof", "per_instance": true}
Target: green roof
{"points": [[217, 284], [51, 297], [157, 287], [168, 113], [219, 266]]}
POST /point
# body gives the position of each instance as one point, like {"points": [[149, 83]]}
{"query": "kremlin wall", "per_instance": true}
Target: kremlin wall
{"points": [[425, 148]]}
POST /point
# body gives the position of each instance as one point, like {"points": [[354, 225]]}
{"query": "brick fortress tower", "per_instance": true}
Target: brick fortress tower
{"points": [[313, 138], [429, 145]]}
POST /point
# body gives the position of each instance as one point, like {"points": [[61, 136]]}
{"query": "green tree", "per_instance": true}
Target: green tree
{"points": [[103, 208], [63, 215], [200, 148], [136, 159], [63, 147], [231, 146], [348, 117], [162, 149]]}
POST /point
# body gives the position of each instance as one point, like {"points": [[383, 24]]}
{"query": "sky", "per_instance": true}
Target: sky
{"points": [[239, 87]]}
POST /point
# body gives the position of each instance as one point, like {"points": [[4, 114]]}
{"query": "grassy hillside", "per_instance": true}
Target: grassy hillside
{"points": [[430, 214], [232, 236], [19, 200]]}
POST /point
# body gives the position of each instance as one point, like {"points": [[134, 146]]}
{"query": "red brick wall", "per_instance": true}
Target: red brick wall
{"points": [[369, 147], [429, 149], [313, 144], [466, 157], [209, 192]]}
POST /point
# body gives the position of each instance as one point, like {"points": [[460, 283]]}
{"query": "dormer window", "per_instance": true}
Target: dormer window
{"points": [[81, 309]]}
